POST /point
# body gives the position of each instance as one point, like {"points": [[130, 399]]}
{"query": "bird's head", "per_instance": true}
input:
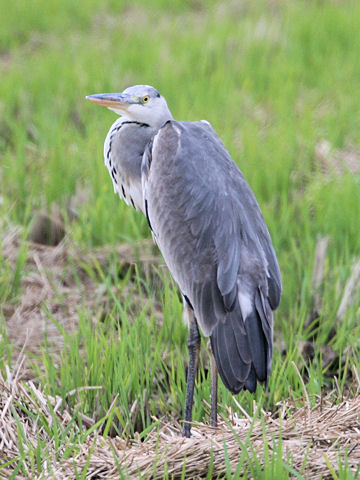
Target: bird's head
{"points": [[141, 103]]}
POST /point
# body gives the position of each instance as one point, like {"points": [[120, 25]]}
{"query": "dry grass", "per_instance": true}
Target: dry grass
{"points": [[59, 280], [321, 434], [337, 161], [313, 436]]}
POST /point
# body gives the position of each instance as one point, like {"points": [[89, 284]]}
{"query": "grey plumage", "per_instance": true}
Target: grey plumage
{"points": [[212, 235], [207, 224], [123, 151]]}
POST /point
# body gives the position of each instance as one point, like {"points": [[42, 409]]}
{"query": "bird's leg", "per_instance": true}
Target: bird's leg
{"points": [[194, 348], [214, 388]]}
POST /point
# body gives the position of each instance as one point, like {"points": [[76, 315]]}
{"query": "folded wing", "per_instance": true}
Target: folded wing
{"points": [[210, 230]]}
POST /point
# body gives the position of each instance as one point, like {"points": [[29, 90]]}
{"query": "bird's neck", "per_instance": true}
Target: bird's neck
{"points": [[155, 119], [163, 117]]}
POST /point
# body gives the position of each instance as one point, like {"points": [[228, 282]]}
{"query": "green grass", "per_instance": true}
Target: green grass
{"points": [[274, 79]]}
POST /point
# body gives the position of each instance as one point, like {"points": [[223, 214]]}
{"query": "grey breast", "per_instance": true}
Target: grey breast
{"points": [[123, 158]]}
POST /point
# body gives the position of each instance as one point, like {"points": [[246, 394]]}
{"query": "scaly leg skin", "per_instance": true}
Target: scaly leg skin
{"points": [[214, 388], [194, 349]]}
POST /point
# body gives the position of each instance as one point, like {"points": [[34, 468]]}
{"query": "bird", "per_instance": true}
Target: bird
{"points": [[210, 230]]}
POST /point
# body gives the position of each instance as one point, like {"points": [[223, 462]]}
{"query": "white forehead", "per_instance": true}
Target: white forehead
{"points": [[141, 90]]}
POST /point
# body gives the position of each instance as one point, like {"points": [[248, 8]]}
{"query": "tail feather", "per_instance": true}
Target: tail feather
{"points": [[239, 368], [233, 373], [250, 383], [257, 343], [266, 315], [243, 350]]}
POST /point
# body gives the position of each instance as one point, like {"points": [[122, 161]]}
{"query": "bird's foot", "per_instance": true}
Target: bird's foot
{"points": [[186, 430]]}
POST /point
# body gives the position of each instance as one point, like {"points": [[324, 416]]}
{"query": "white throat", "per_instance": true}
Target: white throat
{"points": [[154, 115]]}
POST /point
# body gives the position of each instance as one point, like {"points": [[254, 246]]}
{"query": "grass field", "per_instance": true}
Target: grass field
{"points": [[279, 81]]}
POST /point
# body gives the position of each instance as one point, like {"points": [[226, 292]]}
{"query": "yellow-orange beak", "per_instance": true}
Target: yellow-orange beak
{"points": [[112, 100]]}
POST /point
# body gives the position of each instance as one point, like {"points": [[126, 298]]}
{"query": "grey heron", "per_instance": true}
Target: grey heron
{"points": [[210, 230]]}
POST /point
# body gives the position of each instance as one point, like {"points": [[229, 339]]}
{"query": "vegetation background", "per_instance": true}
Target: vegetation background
{"points": [[279, 82]]}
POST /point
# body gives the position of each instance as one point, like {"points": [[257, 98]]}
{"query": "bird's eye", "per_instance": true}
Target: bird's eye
{"points": [[145, 99]]}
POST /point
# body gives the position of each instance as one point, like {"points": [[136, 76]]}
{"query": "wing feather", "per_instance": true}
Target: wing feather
{"points": [[214, 240]]}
